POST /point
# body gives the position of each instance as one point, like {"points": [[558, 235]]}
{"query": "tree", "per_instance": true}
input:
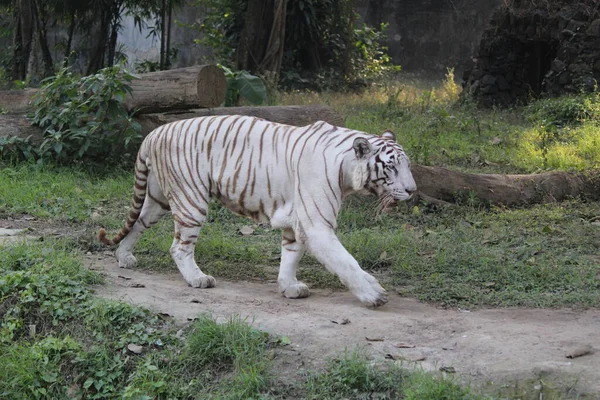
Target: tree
{"points": [[260, 48]]}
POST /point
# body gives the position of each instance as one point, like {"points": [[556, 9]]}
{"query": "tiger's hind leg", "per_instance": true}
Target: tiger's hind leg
{"points": [[291, 253], [154, 208], [187, 228]]}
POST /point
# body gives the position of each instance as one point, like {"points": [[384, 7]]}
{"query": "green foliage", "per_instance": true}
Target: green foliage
{"points": [[422, 386], [243, 84], [369, 56], [221, 27], [67, 194], [558, 112], [323, 49], [15, 149], [84, 119], [352, 376], [231, 346]]}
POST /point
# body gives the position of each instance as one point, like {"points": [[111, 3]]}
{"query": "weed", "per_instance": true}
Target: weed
{"points": [[351, 376], [84, 119]]}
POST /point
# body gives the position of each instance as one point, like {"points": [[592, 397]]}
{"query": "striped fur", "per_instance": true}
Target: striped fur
{"points": [[295, 178]]}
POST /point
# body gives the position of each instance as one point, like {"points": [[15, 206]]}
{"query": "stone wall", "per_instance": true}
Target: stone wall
{"points": [[536, 48]]}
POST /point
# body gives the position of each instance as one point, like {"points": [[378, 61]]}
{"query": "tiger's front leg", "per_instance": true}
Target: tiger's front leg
{"points": [[182, 251], [326, 247], [291, 253]]}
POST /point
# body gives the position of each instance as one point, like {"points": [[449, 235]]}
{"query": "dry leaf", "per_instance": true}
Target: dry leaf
{"points": [[124, 277], [134, 348], [137, 285], [374, 339], [580, 351], [195, 301], [404, 345]]}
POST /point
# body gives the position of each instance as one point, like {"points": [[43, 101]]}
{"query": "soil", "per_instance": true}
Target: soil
{"points": [[494, 349]]}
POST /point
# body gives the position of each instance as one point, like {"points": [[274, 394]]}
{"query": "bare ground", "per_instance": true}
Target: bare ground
{"points": [[489, 348]]}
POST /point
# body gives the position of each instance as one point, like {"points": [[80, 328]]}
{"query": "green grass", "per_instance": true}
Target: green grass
{"points": [[62, 193], [57, 340], [352, 376]]}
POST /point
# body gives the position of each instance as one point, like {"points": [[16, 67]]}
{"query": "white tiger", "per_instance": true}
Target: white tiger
{"points": [[293, 177]]}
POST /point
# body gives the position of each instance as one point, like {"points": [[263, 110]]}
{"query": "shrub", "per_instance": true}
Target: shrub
{"points": [[84, 119]]}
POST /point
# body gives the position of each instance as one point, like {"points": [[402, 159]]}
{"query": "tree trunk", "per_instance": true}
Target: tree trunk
{"points": [[22, 39], [271, 62], [255, 35], [70, 39], [178, 89], [17, 101], [163, 33], [291, 115], [510, 190], [41, 20], [168, 49], [99, 51]]}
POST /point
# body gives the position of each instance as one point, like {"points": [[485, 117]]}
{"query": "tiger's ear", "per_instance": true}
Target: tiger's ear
{"points": [[387, 134], [362, 147]]}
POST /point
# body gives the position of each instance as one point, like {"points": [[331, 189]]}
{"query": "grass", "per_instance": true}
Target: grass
{"points": [[352, 376], [58, 341]]}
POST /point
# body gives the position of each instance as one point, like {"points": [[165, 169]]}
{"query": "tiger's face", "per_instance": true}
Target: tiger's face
{"points": [[388, 172]]}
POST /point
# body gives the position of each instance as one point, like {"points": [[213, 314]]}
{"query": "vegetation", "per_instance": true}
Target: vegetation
{"points": [[58, 340], [82, 120]]}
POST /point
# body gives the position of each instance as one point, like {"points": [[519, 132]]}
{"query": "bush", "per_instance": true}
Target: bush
{"points": [[84, 119], [559, 112]]}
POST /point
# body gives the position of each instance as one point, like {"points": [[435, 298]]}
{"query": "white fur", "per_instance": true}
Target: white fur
{"points": [[299, 184]]}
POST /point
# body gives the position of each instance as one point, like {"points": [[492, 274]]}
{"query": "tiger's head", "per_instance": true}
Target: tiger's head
{"points": [[383, 168]]}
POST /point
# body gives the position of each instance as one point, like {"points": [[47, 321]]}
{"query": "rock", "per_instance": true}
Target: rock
{"points": [[594, 29], [135, 349], [564, 78], [558, 65], [488, 80], [502, 83]]}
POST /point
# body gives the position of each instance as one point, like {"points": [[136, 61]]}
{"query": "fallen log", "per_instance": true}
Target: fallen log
{"points": [[17, 101], [291, 115], [509, 190], [199, 86]]}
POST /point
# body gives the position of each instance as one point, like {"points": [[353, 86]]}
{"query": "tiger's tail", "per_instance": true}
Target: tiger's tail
{"points": [[139, 194]]}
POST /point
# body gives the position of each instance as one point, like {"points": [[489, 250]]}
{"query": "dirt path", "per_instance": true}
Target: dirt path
{"points": [[499, 346]]}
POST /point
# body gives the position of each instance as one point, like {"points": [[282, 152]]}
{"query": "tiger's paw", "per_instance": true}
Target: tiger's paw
{"points": [[126, 260], [203, 282], [370, 292], [295, 291]]}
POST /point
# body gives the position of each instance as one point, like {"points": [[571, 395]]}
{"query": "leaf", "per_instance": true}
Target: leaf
{"points": [[285, 341], [374, 339], [134, 348], [251, 87]]}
